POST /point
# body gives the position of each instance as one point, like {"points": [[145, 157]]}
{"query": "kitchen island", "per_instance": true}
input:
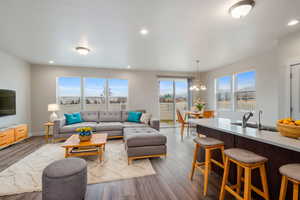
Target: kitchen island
{"points": [[278, 149]]}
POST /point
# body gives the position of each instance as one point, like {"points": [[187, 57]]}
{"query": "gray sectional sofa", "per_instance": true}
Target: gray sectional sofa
{"points": [[110, 122]]}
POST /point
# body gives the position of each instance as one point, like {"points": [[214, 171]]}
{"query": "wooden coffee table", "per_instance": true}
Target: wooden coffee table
{"points": [[96, 146]]}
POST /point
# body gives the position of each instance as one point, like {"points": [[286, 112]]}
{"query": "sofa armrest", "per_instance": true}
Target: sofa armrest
{"points": [[155, 123], [58, 124]]}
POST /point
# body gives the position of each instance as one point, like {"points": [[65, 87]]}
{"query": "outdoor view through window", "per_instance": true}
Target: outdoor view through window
{"points": [[223, 93], [244, 92], [98, 94]]}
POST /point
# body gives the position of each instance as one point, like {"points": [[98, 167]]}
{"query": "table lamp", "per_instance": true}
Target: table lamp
{"points": [[53, 108]]}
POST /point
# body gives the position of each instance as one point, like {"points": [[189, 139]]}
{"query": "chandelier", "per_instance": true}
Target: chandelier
{"points": [[197, 84]]}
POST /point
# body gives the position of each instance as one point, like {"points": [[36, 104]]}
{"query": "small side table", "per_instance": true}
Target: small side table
{"points": [[48, 126]]}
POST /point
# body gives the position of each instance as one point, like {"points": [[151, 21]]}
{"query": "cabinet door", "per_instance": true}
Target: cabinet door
{"points": [[21, 132]]}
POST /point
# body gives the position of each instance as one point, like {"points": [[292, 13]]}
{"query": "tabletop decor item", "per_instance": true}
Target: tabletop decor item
{"points": [[85, 134], [199, 105], [289, 127], [53, 108]]}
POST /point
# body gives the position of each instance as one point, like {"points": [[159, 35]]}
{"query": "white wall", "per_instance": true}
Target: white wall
{"points": [[15, 75], [143, 88], [267, 74], [288, 53]]}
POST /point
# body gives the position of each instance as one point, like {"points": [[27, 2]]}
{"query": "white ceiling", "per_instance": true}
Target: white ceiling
{"points": [[180, 31]]}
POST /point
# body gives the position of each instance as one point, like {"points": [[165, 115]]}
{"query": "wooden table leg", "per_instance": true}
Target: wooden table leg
{"points": [[47, 133], [66, 152]]}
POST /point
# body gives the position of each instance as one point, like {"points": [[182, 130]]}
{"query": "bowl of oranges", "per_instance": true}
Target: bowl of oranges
{"points": [[289, 127]]}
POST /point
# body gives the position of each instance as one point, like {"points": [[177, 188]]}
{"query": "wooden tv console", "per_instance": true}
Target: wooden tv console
{"points": [[12, 135]]}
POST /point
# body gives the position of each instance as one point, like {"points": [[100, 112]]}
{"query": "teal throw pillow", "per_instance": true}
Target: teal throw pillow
{"points": [[73, 118], [134, 117]]}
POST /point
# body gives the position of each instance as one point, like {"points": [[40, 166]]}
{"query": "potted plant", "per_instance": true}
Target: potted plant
{"points": [[199, 105], [85, 134]]}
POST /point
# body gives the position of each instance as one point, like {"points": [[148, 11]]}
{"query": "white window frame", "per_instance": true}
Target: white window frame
{"points": [[235, 90], [216, 92], [82, 90]]}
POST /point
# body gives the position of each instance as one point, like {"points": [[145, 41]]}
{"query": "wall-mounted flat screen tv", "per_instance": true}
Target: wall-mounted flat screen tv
{"points": [[7, 102]]}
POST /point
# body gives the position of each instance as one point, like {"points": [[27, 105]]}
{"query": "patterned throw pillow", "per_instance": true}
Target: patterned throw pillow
{"points": [[145, 118]]}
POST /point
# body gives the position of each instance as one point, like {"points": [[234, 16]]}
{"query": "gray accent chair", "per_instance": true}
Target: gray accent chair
{"points": [[110, 122], [144, 143], [65, 179]]}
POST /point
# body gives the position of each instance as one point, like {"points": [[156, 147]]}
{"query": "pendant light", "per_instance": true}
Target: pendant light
{"points": [[197, 85]]}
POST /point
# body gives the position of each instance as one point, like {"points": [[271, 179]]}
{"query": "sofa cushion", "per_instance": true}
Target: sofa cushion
{"points": [[145, 118], [109, 126], [134, 117], [137, 137], [110, 116], [90, 116], [133, 125], [72, 128], [73, 118], [125, 114]]}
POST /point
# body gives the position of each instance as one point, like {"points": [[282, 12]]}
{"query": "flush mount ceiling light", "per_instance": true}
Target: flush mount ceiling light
{"points": [[293, 22], [128, 67], [82, 50], [241, 8], [144, 31], [51, 62]]}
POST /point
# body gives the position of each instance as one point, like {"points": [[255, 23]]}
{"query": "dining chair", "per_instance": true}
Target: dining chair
{"points": [[182, 123]]}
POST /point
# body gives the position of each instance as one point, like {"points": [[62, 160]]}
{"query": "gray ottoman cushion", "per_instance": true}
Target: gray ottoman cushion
{"points": [[146, 151], [137, 137], [65, 179]]}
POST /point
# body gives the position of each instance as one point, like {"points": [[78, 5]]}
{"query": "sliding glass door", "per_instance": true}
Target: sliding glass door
{"points": [[174, 94]]}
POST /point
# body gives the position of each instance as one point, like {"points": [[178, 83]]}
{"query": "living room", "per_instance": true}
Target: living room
{"points": [[125, 94]]}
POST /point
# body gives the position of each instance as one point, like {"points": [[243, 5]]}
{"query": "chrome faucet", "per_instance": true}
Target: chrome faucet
{"points": [[246, 117], [259, 119]]}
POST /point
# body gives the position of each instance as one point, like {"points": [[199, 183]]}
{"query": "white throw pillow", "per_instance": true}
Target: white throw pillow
{"points": [[145, 118]]}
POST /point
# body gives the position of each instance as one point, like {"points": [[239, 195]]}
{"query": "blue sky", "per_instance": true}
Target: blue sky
{"points": [[70, 86], [166, 87]]}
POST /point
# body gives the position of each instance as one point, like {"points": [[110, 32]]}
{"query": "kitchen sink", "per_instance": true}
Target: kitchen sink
{"points": [[254, 125]]}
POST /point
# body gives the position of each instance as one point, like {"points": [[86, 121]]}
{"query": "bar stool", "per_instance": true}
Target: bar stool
{"points": [[290, 172], [209, 144], [248, 161]]}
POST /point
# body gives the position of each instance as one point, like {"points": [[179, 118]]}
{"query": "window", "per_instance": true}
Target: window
{"points": [[69, 93], [224, 93], [118, 94], [245, 93], [96, 93]]}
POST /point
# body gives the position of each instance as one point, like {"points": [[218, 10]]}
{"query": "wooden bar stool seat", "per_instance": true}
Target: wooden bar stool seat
{"points": [[209, 144], [248, 161], [290, 172]]}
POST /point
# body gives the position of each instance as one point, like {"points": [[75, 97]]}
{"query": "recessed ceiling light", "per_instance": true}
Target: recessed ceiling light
{"points": [[51, 62], [82, 50], [293, 22], [128, 66], [144, 31], [241, 8]]}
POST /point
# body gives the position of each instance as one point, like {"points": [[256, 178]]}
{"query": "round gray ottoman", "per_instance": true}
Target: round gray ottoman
{"points": [[65, 180]]}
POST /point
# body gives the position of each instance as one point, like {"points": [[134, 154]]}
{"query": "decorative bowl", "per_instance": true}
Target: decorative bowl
{"points": [[287, 130]]}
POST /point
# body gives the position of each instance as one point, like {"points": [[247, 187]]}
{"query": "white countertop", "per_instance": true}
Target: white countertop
{"points": [[273, 138]]}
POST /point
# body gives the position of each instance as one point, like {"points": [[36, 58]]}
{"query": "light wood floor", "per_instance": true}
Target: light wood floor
{"points": [[170, 183]]}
